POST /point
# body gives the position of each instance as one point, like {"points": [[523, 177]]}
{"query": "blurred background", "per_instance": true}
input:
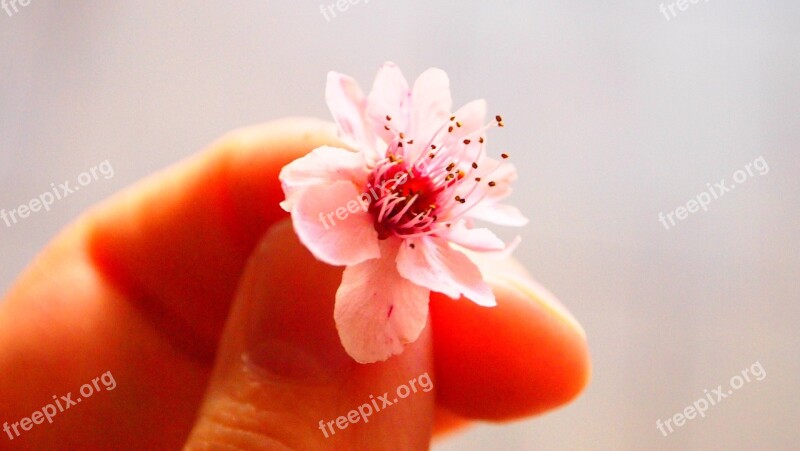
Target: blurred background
{"points": [[616, 111]]}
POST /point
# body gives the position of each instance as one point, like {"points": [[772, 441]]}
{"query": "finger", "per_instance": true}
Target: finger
{"points": [[446, 423], [183, 245], [283, 381], [150, 291], [522, 357], [138, 287], [178, 241]]}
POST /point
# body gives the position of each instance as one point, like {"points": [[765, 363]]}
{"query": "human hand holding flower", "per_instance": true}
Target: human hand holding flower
{"points": [[217, 325]]}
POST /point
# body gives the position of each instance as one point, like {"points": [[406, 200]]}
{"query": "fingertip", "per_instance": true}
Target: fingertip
{"points": [[178, 240], [446, 423], [525, 356]]}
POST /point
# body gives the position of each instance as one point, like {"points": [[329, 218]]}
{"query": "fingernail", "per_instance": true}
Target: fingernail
{"points": [[512, 275], [538, 293], [290, 335]]}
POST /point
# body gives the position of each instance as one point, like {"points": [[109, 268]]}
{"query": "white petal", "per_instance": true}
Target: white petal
{"points": [[332, 223], [348, 104], [431, 104], [489, 209], [501, 173], [323, 165], [432, 264], [500, 214], [390, 96], [480, 258], [472, 117], [477, 239], [377, 311]]}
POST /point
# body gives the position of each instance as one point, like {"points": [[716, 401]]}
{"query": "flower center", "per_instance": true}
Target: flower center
{"points": [[406, 202], [419, 188]]}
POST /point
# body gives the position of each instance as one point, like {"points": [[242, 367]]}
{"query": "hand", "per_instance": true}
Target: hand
{"points": [[191, 291]]}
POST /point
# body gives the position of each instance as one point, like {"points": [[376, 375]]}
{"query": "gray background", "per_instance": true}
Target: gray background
{"points": [[614, 114]]}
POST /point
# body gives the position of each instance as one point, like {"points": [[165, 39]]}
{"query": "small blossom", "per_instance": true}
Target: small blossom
{"points": [[399, 209]]}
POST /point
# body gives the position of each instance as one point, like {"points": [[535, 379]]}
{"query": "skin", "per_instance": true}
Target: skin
{"points": [[169, 283]]}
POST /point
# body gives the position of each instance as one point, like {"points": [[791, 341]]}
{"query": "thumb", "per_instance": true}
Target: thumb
{"points": [[282, 379]]}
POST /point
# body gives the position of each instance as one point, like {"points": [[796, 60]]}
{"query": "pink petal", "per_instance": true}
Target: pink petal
{"points": [[500, 214], [476, 239], [480, 257], [489, 209], [322, 166], [333, 225], [431, 103], [390, 96], [472, 117], [377, 311], [431, 263], [348, 107], [502, 173]]}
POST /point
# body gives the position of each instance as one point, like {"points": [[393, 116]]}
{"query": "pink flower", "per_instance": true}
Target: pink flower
{"points": [[398, 212]]}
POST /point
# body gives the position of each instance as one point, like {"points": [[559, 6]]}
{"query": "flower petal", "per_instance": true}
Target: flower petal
{"points": [[433, 264], [348, 104], [431, 104], [377, 311], [332, 223], [323, 165], [480, 258], [489, 209], [390, 96], [476, 239], [500, 214], [472, 117], [501, 173]]}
